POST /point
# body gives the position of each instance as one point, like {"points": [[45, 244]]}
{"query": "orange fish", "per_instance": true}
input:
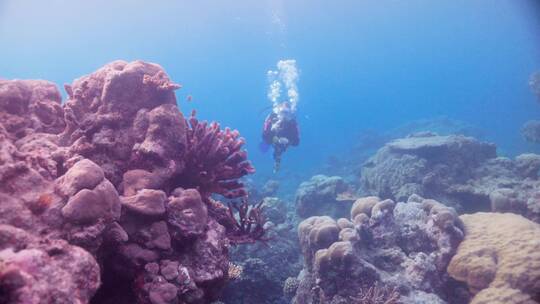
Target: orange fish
{"points": [[42, 203]]}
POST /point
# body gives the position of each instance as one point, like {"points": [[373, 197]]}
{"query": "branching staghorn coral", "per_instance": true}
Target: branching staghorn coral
{"points": [[376, 294]]}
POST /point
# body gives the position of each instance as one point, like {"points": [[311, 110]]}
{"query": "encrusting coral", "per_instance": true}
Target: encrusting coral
{"points": [[118, 171], [499, 258], [29, 266]]}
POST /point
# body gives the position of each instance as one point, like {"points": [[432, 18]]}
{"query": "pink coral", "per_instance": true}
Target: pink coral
{"points": [[98, 193], [214, 160]]}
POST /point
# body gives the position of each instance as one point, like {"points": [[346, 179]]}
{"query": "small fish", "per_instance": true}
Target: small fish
{"points": [[42, 203], [189, 98]]}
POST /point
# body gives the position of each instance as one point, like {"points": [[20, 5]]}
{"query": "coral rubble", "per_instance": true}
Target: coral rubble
{"points": [[113, 187]]}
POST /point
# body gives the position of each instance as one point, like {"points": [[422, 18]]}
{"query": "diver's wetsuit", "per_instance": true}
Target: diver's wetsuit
{"points": [[280, 133]]}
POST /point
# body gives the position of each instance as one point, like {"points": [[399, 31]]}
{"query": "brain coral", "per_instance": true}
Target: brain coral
{"points": [[499, 258]]}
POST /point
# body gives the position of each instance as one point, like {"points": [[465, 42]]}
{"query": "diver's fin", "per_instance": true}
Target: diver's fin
{"points": [[263, 110], [264, 147]]}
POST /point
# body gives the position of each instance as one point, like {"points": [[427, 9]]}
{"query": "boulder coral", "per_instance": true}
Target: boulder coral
{"points": [[107, 196], [405, 247], [499, 259]]}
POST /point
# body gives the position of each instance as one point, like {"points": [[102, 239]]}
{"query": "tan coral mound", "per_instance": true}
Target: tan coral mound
{"points": [[499, 258]]}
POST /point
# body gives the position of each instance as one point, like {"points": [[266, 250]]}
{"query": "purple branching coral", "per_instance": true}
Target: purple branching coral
{"points": [[248, 226], [214, 159]]}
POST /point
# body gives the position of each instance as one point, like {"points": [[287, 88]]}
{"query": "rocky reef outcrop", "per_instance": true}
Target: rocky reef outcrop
{"points": [[366, 142], [107, 198], [319, 196], [402, 247], [499, 258], [33, 270], [458, 171]]}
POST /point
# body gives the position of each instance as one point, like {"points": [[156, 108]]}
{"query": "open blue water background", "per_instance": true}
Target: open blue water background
{"points": [[364, 64]]}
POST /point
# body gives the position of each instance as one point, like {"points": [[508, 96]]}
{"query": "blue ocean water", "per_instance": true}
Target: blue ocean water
{"points": [[363, 64]]}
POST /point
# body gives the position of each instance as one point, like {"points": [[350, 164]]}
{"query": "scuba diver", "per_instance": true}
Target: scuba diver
{"points": [[280, 130]]}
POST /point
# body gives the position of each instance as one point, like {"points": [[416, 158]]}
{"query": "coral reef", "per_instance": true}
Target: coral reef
{"points": [[318, 197], [458, 171], [30, 106], [405, 247], [531, 131], [425, 165], [114, 187], [270, 188], [368, 141], [114, 197], [534, 83], [499, 258], [266, 268]]}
